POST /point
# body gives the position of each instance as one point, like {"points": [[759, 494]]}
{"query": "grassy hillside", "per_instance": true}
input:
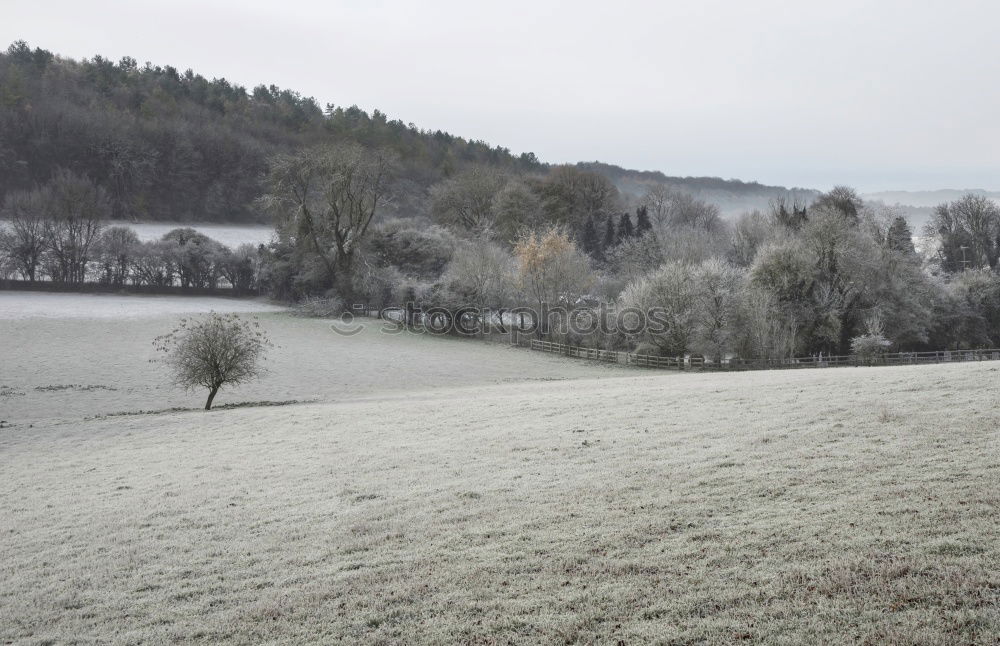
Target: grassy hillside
{"points": [[446, 491], [60, 378]]}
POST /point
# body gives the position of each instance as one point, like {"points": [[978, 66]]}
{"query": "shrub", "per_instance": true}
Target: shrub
{"points": [[415, 248], [868, 347]]}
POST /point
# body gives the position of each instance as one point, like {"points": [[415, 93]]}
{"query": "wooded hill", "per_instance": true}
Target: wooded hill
{"points": [[171, 145], [731, 196]]}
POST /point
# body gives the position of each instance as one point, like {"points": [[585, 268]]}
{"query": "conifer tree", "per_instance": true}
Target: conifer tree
{"points": [[590, 242], [625, 229], [899, 237], [642, 223], [609, 233]]}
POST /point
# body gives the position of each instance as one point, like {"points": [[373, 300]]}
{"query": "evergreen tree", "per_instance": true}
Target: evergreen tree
{"points": [[642, 223], [899, 237], [793, 217], [590, 242], [609, 233], [625, 230]]}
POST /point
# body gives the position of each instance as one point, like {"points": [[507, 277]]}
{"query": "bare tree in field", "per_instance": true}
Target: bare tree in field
{"points": [[214, 351], [325, 200]]}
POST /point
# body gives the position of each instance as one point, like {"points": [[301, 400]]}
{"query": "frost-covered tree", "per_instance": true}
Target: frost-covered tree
{"points": [[325, 200], [467, 201], [481, 273], [719, 292], [668, 301], [214, 351], [551, 271]]}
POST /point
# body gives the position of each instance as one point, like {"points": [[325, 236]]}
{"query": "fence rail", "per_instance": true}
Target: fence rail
{"points": [[818, 361]]}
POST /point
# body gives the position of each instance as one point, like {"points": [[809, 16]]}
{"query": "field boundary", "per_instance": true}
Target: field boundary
{"points": [[818, 361], [105, 288]]}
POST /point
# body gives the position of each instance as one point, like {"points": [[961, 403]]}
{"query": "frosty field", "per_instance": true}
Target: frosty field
{"points": [[443, 491]]}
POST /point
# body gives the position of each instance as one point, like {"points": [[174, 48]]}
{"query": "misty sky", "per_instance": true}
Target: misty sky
{"points": [[880, 94]]}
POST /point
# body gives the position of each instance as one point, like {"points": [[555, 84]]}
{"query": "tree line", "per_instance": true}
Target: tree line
{"points": [[58, 232], [834, 276]]}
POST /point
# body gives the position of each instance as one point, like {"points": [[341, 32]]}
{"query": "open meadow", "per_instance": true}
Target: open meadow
{"points": [[447, 491]]}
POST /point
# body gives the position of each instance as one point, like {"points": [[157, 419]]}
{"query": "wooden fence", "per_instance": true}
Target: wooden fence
{"points": [[818, 361]]}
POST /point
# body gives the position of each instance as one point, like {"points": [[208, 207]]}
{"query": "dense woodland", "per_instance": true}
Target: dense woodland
{"points": [[377, 211], [172, 145]]}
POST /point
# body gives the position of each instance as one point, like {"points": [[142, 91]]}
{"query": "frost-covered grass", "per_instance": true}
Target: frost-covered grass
{"points": [[485, 505], [71, 368]]}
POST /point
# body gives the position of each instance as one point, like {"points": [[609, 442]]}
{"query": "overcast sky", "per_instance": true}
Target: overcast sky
{"points": [[880, 94]]}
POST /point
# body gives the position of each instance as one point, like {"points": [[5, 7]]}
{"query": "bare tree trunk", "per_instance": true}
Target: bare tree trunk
{"points": [[211, 396], [344, 278]]}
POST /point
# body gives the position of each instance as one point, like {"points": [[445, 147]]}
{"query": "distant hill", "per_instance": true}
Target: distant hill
{"points": [[927, 198], [732, 196]]}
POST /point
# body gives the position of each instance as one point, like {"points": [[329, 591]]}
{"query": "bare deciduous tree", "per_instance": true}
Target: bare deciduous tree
{"points": [[551, 270], [669, 208], [720, 289], [766, 332], [214, 351], [750, 231], [325, 200], [517, 209], [467, 200], [77, 208], [24, 242], [968, 230], [482, 273], [570, 196], [668, 298], [116, 251]]}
